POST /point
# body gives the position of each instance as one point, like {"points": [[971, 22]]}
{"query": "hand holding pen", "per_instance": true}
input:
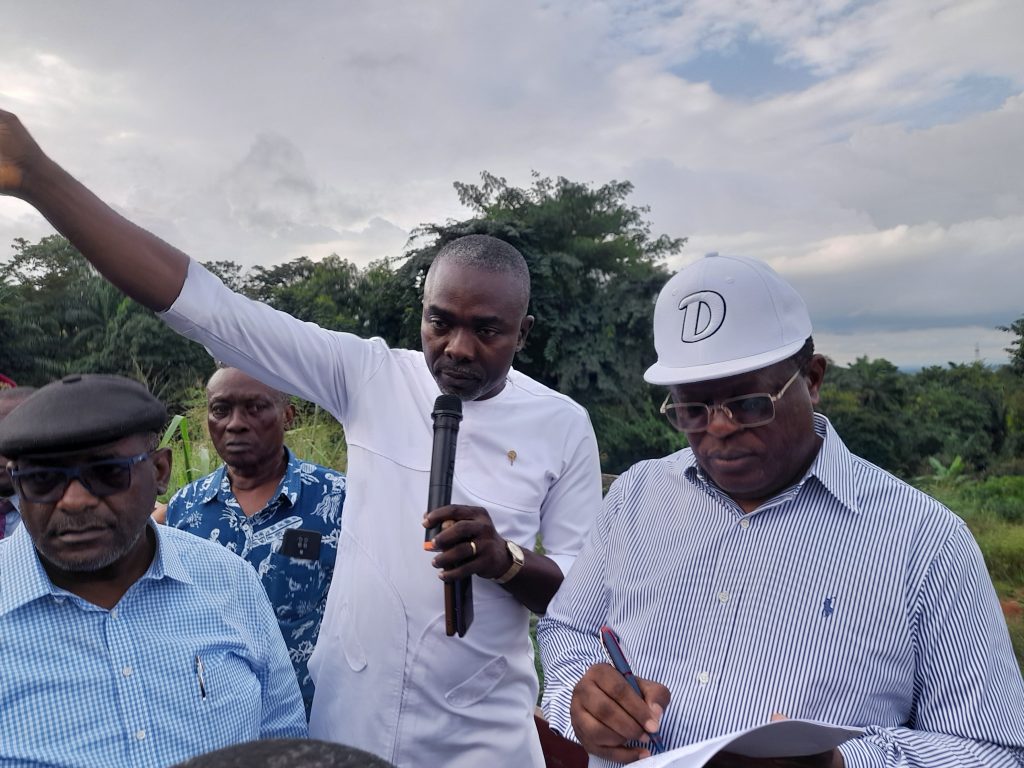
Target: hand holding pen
{"points": [[618, 660], [608, 711]]}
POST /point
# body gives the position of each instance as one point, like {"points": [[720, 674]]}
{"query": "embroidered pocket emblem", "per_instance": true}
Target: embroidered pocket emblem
{"points": [[827, 607]]}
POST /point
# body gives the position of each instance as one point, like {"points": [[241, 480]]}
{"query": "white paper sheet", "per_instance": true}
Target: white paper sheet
{"points": [[782, 738]]}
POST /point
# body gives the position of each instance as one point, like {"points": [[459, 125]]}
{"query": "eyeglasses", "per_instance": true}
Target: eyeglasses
{"points": [[43, 485], [746, 411]]}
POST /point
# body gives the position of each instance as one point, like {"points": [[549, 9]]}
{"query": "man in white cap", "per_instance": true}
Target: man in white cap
{"points": [[765, 571]]}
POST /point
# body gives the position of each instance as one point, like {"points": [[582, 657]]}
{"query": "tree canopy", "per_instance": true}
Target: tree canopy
{"points": [[596, 270]]}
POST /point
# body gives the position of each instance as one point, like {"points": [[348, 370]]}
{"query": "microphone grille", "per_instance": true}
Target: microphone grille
{"points": [[448, 404]]}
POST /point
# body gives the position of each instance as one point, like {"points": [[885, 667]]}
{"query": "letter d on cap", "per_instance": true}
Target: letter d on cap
{"points": [[703, 314]]}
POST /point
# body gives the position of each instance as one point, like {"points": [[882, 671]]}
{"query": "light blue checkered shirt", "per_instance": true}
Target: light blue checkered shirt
{"points": [[84, 686], [309, 497], [850, 598]]}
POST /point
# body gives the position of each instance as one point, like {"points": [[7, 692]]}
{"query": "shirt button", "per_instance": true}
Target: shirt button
{"points": [[126, 671], [140, 734], [113, 613], [703, 678], [744, 523], [723, 597]]}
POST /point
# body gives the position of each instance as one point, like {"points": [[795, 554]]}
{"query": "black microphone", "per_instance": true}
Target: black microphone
{"points": [[458, 595], [447, 414]]}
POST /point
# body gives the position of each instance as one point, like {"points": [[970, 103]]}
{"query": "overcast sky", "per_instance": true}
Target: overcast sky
{"points": [[870, 151]]}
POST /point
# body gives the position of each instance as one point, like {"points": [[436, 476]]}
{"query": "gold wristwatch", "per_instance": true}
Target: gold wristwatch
{"points": [[518, 559]]}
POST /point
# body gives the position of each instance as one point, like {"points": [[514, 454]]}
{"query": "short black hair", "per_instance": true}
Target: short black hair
{"points": [[286, 753], [490, 254], [802, 357]]}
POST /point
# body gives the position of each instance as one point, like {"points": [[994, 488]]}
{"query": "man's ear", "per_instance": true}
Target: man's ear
{"points": [[289, 416], [524, 330], [162, 460], [815, 375]]}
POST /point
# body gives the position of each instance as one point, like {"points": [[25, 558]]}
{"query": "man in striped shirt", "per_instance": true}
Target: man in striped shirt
{"points": [[766, 571]]}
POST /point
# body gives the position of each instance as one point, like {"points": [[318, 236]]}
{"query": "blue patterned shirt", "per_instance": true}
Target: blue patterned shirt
{"points": [[84, 686], [309, 497], [850, 598]]}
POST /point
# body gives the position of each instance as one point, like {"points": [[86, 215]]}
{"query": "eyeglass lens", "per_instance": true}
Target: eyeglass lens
{"points": [[748, 410], [100, 478]]}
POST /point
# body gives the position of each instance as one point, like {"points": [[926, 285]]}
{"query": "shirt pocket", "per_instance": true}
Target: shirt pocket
{"points": [[226, 696]]}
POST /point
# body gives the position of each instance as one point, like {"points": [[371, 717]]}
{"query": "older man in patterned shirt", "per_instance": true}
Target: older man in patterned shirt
{"points": [[266, 505]]}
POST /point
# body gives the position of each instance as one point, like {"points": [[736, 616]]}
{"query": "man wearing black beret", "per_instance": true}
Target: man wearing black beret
{"points": [[139, 645]]}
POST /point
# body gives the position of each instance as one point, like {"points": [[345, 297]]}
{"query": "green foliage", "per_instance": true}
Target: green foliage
{"points": [[1016, 348], [62, 317], [191, 459], [911, 423], [867, 405], [953, 472]]}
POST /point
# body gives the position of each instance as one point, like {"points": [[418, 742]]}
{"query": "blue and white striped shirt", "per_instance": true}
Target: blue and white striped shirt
{"points": [[850, 598], [84, 686]]}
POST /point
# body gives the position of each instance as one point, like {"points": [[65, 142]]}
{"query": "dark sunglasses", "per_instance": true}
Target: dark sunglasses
{"points": [[42, 485]]}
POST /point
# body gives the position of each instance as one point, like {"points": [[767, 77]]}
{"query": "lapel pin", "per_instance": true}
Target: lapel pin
{"points": [[511, 457]]}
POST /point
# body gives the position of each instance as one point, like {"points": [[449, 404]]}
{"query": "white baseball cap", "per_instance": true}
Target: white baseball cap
{"points": [[725, 315]]}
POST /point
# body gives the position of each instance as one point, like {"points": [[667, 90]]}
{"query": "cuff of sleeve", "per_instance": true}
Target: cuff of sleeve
{"points": [[191, 298], [861, 753], [556, 713]]}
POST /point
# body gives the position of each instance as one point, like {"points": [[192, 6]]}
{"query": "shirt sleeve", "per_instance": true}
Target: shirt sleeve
{"points": [[568, 634], [175, 509], [284, 715], [574, 498], [286, 353], [969, 707]]}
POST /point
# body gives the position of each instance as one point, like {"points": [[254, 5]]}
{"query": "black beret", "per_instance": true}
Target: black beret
{"points": [[80, 411]]}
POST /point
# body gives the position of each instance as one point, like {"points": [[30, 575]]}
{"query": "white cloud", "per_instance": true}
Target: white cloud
{"points": [[259, 132]]}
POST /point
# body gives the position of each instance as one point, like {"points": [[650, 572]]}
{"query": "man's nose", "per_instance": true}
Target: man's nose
{"points": [[236, 420], [720, 423], [76, 496], [461, 344]]}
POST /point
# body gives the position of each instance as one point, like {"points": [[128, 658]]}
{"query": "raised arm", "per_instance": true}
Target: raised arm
{"points": [[136, 261]]}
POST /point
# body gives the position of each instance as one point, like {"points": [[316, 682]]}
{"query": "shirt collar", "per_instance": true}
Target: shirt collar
{"points": [[833, 468], [168, 561], [23, 579], [218, 486], [14, 502]]}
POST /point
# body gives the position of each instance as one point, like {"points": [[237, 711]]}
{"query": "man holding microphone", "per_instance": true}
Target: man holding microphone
{"points": [[387, 678]]}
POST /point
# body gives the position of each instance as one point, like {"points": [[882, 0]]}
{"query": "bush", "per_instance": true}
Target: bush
{"points": [[1003, 496]]}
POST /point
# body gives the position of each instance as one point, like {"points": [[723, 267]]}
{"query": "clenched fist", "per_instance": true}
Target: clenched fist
{"points": [[18, 154]]}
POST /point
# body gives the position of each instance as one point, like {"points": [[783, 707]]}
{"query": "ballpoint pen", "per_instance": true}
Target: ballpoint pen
{"points": [[618, 659], [200, 678]]}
